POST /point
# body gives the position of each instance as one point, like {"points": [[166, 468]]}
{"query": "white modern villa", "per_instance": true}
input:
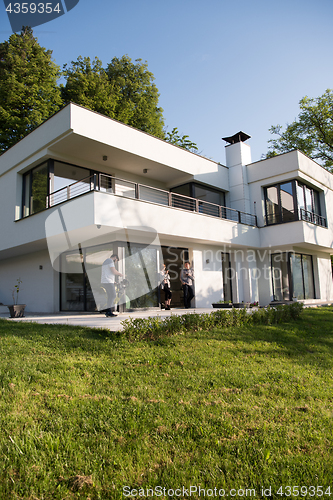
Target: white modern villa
{"points": [[83, 186]]}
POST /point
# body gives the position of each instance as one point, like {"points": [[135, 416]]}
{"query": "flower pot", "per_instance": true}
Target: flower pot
{"points": [[218, 305], [17, 310], [239, 305]]}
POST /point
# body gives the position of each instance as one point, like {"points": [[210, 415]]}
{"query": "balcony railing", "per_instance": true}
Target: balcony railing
{"points": [[128, 189], [291, 216], [319, 220]]}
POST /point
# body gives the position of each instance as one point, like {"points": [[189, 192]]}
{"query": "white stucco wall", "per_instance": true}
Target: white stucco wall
{"points": [[323, 280], [208, 275], [40, 287]]}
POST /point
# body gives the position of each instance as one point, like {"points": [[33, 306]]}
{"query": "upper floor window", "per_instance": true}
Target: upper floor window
{"points": [[280, 203], [290, 201], [43, 185], [201, 192], [35, 189], [309, 204]]}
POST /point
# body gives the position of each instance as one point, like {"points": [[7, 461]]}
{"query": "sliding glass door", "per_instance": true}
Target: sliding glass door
{"points": [[292, 276], [302, 276]]}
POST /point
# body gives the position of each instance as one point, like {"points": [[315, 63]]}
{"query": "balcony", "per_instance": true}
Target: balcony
{"points": [[127, 189], [316, 219], [291, 216]]}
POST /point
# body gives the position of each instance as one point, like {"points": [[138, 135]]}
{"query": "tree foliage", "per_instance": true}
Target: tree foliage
{"points": [[29, 92], [28, 87], [125, 91], [311, 132], [137, 95], [182, 141], [87, 84]]}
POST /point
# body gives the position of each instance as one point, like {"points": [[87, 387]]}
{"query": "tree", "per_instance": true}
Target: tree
{"points": [[88, 85], [311, 132], [29, 93], [182, 141], [137, 95], [28, 87]]}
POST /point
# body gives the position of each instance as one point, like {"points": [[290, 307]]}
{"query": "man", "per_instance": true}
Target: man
{"points": [[187, 279], [109, 272]]}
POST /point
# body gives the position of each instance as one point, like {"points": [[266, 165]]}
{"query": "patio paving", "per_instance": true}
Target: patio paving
{"points": [[98, 320]]}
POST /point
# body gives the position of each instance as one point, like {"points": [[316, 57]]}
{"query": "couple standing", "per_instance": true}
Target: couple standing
{"points": [[187, 280]]}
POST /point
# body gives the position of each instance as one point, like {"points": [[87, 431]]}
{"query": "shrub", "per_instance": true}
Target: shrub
{"points": [[154, 328]]}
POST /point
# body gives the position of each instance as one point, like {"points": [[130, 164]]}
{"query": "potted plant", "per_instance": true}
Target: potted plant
{"points": [[241, 305], [222, 304], [16, 310]]}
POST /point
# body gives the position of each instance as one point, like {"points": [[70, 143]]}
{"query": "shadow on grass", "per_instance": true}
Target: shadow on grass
{"points": [[60, 336], [308, 340]]}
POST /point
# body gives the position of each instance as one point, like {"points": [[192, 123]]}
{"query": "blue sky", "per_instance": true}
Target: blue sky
{"points": [[220, 66]]}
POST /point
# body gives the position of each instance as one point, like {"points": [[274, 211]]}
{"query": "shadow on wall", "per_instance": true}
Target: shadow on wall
{"points": [[206, 300]]}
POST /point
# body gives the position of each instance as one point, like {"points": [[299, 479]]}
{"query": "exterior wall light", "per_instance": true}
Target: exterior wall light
{"points": [[145, 170], [105, 158]]}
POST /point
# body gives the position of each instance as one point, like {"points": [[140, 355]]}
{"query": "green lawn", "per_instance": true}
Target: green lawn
{"points": [[85, 413]]}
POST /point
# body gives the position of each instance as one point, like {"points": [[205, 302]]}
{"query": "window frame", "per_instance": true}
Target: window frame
{"points": [[296, 184], [279, 218], [25, 193]]}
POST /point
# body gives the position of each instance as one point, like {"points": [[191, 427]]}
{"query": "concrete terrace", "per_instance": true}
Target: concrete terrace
{"points": [[98, 320]]}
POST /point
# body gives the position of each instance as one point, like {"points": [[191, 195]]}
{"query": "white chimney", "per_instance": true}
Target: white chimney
{"points": [[238, 155]]}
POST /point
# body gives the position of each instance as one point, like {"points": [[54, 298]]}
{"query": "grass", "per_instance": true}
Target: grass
{"points": [[84, 413]]}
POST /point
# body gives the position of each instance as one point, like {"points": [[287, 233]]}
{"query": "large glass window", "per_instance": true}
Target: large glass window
{"points": [[72, 282], [209, 199], [35, 190], [280, 276], [142, 270], [204, 193], [280, 203], [302, 276], [292, 276], [290, 201], [287, 202], [272, 205], [81, 288], [66, 174], [201, 192], [226, 276], [40, 184], [307, 276], [309, 204]]}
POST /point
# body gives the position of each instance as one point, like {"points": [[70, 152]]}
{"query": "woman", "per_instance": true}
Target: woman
{"points": [[165, 285]]}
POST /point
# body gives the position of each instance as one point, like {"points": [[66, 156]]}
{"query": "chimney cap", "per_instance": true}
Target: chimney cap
{"points": [[239, 137]]}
